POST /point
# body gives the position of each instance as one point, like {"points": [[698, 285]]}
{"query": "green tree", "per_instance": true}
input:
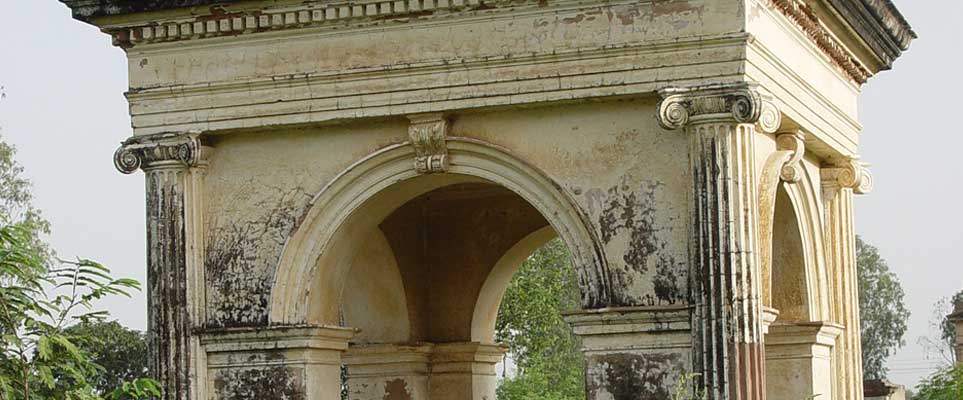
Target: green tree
{"points": [[946, 384], [121, 352], [39, 358], [883, 313], [541, 344]]}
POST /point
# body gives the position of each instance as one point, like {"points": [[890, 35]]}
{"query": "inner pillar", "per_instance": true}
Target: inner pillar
{"points": [[799, 360], [464, 371], [636, 352], [388, 371]]}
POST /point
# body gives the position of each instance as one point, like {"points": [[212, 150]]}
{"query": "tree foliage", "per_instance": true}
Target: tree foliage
{"points": [[39, 357], [883, 313], [946, 384], [119, 351], [540, 342]]}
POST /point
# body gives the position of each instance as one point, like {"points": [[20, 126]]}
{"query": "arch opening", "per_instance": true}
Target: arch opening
{"points": [[419, 263]]}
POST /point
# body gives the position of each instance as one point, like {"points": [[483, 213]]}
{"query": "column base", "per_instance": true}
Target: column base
{"points": [[635, 353], [799, 360], [301, 362]]}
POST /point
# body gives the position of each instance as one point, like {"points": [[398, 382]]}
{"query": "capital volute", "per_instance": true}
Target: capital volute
{"points": [[793, 141], [848, 172], [743, 103], [174, 150]]}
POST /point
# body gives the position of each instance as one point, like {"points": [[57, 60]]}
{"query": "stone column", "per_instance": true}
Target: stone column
{"points": [[956, 318], [464, 371], [388, 371], [279, 362], [841, 179], [799, 360], [721, 123], [635, 352], [174, 168]]}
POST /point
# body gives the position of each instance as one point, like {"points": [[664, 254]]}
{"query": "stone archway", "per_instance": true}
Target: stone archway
{"points": [[453, 239], [800, 344], [369, 190]]}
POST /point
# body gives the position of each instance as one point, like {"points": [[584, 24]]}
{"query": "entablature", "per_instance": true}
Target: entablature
{"points": [[198, 65]]}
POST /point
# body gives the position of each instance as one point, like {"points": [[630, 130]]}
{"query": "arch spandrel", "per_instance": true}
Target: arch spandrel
{"points": [[624, 171]]}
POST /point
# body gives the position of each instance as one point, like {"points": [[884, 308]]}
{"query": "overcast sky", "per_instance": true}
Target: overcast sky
{"points": [[66, 113]]}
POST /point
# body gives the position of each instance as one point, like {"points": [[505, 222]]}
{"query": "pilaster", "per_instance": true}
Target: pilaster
{"points": [[635, 352], [800, 359], [841, 179], [296, 362], [173, 165], [721, 123]]}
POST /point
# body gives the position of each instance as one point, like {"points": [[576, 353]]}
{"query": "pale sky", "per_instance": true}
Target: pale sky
{"points": [[66, 113]]}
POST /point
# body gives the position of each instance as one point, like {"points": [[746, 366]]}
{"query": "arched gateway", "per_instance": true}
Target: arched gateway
{"points": [[353, 183]]}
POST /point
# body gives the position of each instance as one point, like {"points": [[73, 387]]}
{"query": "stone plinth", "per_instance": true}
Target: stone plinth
{"points": [[799, 360]]}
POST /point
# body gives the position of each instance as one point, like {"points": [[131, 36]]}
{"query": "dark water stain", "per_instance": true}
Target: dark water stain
{"points": [[269, 382], [241, 259]]}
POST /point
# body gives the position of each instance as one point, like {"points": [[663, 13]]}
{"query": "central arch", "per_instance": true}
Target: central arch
{"points": [[317, 257]]}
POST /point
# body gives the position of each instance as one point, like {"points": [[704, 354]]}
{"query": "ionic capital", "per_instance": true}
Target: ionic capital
{"points": [[739, 103], [428, 133], [795, 142], [850, 173], [161, 150]]}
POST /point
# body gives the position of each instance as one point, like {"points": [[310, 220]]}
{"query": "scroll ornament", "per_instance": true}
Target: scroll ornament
{"points": [[155, 150], [741, 103], [850, 173], [792, 170]]}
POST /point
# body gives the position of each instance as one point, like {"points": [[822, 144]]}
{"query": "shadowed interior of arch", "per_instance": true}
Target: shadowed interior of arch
{"points": [[435, 269]]}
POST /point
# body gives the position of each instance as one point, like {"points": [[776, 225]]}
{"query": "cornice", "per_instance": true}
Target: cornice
{"points": [[85, 10], [880, 24], [219, 22], [805, 18]]}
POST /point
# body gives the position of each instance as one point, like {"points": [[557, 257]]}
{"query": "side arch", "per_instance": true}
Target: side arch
{"points": [[316, 257], [805, 204], [491, 293]]}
